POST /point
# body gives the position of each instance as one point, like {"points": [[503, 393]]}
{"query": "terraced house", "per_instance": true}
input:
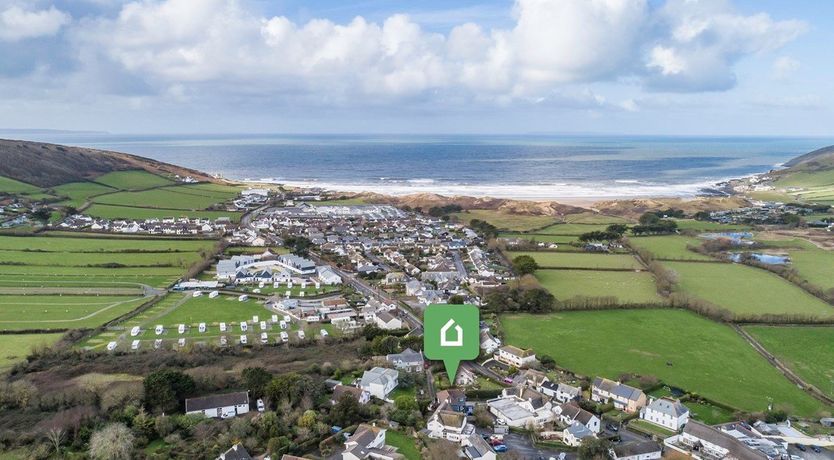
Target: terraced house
{"points": [[624, 397]]}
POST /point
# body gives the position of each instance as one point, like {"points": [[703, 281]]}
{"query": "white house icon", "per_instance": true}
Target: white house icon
{"points": [[444, 341]]}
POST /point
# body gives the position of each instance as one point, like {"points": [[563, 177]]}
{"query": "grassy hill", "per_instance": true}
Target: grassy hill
{"points": [[47, 165]]}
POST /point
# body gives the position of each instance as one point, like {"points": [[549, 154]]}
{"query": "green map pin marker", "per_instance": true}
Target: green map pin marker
{"points": [[451, 333]]}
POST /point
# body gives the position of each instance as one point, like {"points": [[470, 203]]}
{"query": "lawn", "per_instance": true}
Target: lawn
{"points": [[132, 180], [679, 347], [506, 221], [105, 211], [548, 259], [559, 239], [91, 259], [12, 186], [815, 265], [78, 192], [627, 287], [806, 350], [202, 309], [15, 347], [63, 312], [747, 291], [405, 444], [177, 197], [571, 229], [706, 226], [595, 218], [672, 247], [81, 244]]}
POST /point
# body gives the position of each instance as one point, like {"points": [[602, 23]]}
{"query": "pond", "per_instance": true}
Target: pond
{"points": [[767, 259]]}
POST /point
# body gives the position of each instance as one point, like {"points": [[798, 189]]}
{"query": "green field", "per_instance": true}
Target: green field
{"points": [[570, 229], [627, 287], [202, 309], [806, 350], [91, 259], [671, 247], [706, 226], [679, 347], [815, 265], [12, 186], [176, 197], [132, 180], [747, 291], [548, 259], [79, 192], [124, 212], [93, 244], [405, 444], [345, 202], [595, 218], [62, 312], [15, 347], [558, 239], [505, 221]]}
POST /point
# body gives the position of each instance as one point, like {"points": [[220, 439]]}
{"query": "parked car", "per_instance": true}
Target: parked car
{"points": [[261, 405], [801, 447], [500, 448], [611, 427], [816, 449]]}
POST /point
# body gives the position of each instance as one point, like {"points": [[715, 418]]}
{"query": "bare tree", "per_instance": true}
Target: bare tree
{"points": [[113, 442], [55, 435]]}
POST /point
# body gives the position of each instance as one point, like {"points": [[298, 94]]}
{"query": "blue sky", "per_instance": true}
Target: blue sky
{"points": [[707, 67]]}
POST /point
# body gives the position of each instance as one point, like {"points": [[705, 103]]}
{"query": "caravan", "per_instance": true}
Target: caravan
{"points": [[222, 327], [159, 329], [134, 345], [285, 337], [181, 329], [243, 340], [243, 326], [196, 293], [202, 327], [263, 325], [213, 294], [264, 338], [135, 331]]}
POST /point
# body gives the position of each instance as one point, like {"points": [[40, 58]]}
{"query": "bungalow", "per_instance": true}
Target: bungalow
{"points": [[639, 450], [514, 356], [521, 408], [387, 321], [236, 452], [368, 442], [409, 360], [379, 382], [449, 425], [340, 391], [219, 406], [570, 414], [668, 413], [624, 397], [575, 434]]}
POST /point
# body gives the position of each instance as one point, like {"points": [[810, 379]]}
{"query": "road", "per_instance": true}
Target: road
{"points": [[459, 264]]}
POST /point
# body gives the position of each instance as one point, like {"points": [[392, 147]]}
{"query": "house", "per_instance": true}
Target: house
{"points": [[706, 442], [450, 425], [668, 413], [379, 382], [640, 450], [236, 452], [455, 398], [409, 360], [488, 343], [478, 449], [339, 391], [521, 407], [561, 392], [368, 442], [413, 288], [571, 413], [514, 356], [624, 397], [387, 321], [219, 406], [327, 276], [574, 434], [531, 378]]}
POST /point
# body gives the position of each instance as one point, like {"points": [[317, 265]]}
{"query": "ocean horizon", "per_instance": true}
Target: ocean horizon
{"points": [[530, 167]]}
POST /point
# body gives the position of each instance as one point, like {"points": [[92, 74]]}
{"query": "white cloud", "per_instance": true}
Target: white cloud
{"points": [[784, 67], [17, 23]]}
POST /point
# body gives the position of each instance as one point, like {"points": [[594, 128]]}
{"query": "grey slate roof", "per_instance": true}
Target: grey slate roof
{"points": [[636, 448], [737, 449], [670, 407], [215, 401], [236, 452]]}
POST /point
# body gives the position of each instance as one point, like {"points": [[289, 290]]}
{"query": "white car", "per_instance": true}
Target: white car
{"points": [[264, 338], [263, 325], [134, 345], [197, 294], [202, 327], [181, 329], [222, 327], [181, 342], [243, 340], [243, 298], [323, 333], [157, 343], [285, 337], [112, 346], [256, 291], [283, 324], [261, 406], [243, 326], [213, 294], [159, 329], [135, 331], [301, 335]]}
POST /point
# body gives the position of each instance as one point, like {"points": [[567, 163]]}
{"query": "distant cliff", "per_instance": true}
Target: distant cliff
{"points": [[817, 160], [48, 165]]}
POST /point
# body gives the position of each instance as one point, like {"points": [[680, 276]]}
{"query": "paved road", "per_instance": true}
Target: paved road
{"points": [[459, 263]]}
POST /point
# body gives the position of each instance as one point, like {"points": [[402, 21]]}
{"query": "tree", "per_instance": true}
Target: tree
{"points": [[594, 449], [256, 379], [113, 442], [406, 403], [56, 435], [525, 265], [456, 299], [385, 344], [547, 362], [166, 388], [346, 411], [649, 218], [307, 419]]}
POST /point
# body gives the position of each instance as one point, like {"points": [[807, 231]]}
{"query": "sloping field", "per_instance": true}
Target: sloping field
{"points": [[571, 229], [505, 221], [628, 287], [125, 212], [679, 347], [15, 347], [671, 247], [62, 312], [747, 291], [177, 197], [548, 259], [132, 180], [79, 192]]}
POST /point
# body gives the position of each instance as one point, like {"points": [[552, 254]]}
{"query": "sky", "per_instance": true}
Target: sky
{"points": [[669, 67]]}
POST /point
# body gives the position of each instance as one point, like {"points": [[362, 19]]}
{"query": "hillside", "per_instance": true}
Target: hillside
{"points": [[819, 159], [48, 165]]}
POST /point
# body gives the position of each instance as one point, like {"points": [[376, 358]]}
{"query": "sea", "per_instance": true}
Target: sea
{"points": [[533, 167]]}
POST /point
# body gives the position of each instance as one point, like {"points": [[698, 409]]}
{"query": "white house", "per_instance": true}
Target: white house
{"points": [[450, 425], [668, 413], [574, 434], [409, 360], [706, 442], [236, 452], [339, 391], [514, 356], [521, 407], [387, 321], [327, 276], [640, 450], [219, 406], [561, 392], [570, 414], [367, 442], [379, 382], [478, 449]]}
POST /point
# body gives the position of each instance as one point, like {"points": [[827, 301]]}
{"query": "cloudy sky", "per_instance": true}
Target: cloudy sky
{"points": [[429, 66]]}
